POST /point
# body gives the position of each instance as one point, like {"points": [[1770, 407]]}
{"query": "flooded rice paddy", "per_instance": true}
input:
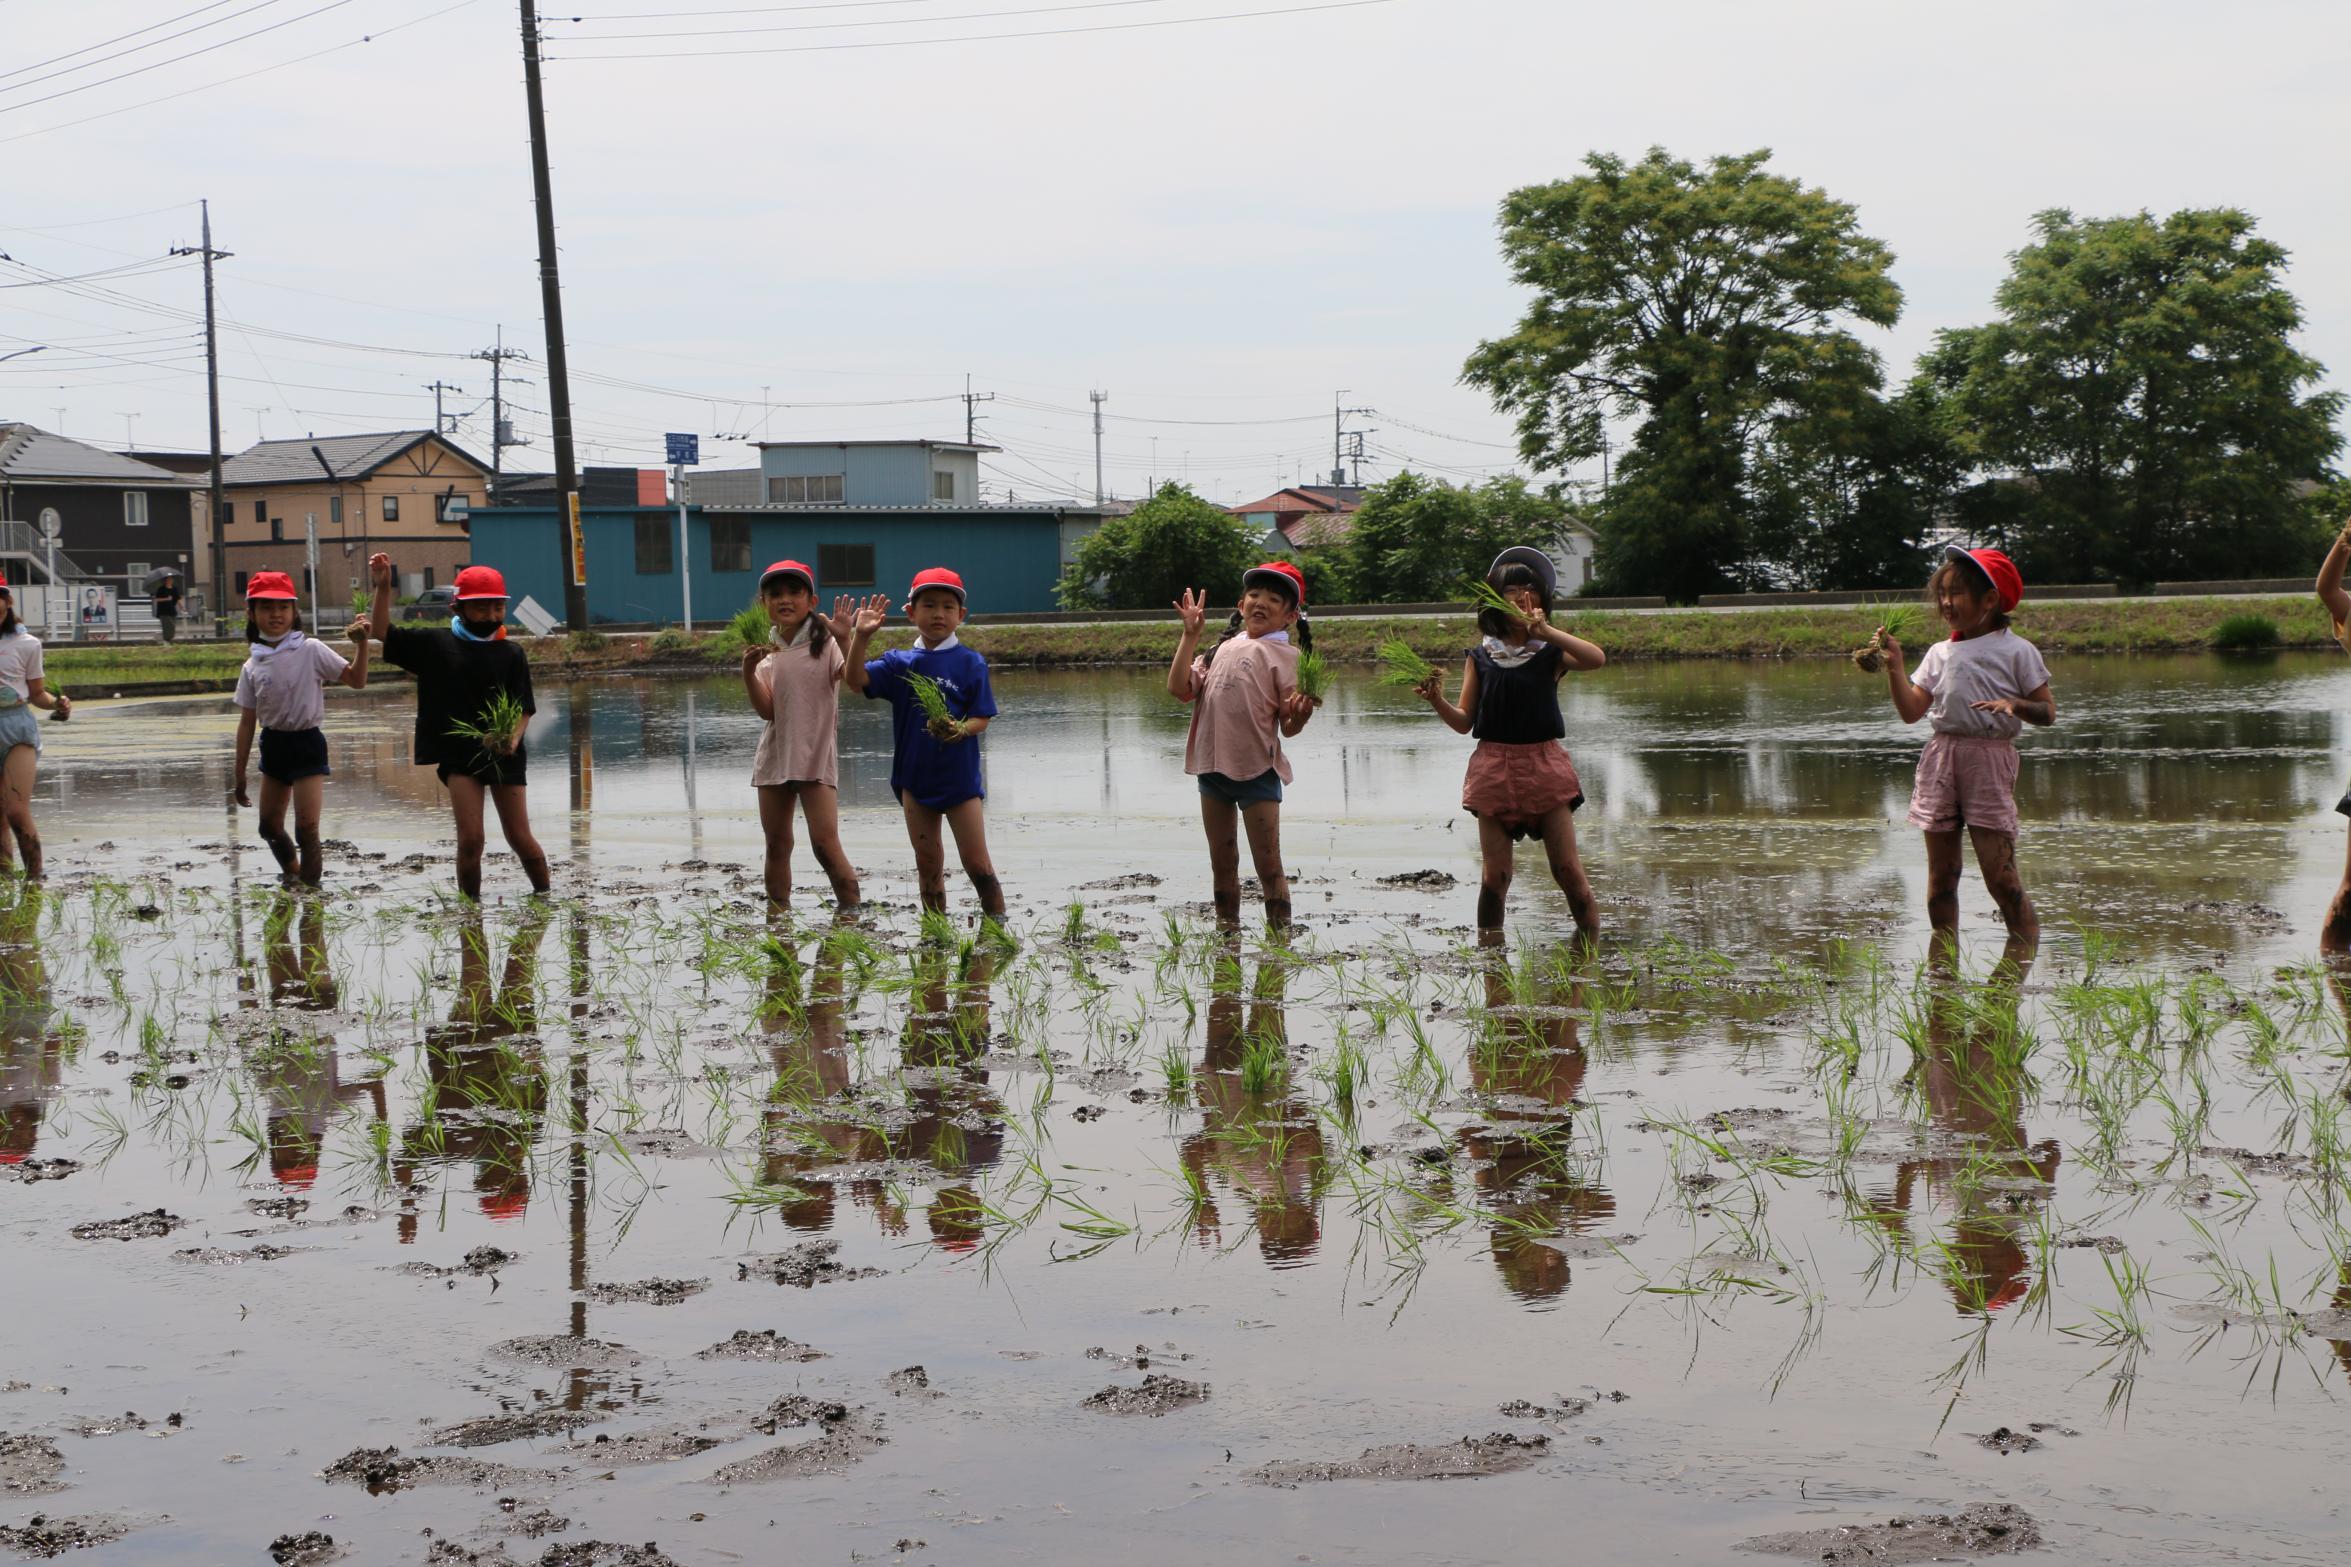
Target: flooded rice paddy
{"points": [[368, 1224]]}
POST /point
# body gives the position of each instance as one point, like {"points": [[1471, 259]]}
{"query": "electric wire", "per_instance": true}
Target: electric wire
{"points": [[971, 38]]}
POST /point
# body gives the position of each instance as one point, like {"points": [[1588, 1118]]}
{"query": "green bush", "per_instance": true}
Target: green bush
{"points": [[2245, 632], [584, 642], [672, 639]]}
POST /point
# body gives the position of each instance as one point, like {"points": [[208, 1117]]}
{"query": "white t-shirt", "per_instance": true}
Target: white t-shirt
{"points": [[285, 686], [1956, 674], [20, 665]]}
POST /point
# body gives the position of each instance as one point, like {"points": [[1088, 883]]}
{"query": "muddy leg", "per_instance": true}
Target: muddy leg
{"points": [[930, 854], [16, 805], [466, 797], [1567, 869], [1943, 900], [310, 795], [1221, 820], [2335, 935], [1995, 856], [775, 823], [514, 820], [1496, 867], [1263, 820], [274, 796], [821, 804], [968, 820]]}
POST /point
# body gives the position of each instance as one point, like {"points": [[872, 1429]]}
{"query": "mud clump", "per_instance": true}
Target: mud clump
{"points": [[130, 1227], [1471, 1458], [44, 1536], [595, 1553], [2004, 1441], [844, 1437], [479, 1263], [647, 1292], [561, 1352], [1156, 1396], [382, 1470], [765, 1344], [913, 1382], [1565, 1408], [229, 1257], [1986, 1529], [30, 1465], [487, 1430], [645, 1447], [31, 1170], [304, 1550], [1125, 883], [1422, 881], [278, 1208], [805, 1266]]}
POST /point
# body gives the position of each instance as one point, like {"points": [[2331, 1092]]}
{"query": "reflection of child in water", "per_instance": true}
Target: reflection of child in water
{"points": [[302, 1078], [1266, 1146], [32, 1056]]}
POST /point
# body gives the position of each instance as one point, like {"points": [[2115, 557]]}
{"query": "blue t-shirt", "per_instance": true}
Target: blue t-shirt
{"points": [[937, 776]]}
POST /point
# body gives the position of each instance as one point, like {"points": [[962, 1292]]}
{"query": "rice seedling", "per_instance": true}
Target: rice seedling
{"points": [[1401, 666], [1900, 620], [1314, 677], [938, 717], [1484, 596], [491, 731], [751, 627]]}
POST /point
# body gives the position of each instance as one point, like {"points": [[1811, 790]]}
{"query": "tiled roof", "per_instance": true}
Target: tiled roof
{"points": [[350, 457], [28, 454]]}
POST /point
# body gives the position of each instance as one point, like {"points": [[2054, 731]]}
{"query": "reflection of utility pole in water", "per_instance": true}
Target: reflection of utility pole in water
{"points": [[693, 810], [578, 1386], [583, 770], [237, 901]]}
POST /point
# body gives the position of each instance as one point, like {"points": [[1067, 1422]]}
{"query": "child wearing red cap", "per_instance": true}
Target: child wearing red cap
{"points": [[794, 683], [2334, 936], [1521, 782], [1245, 701], [22, 688], [1983, 685], [458, 669], [935, 765], [281, 692]]}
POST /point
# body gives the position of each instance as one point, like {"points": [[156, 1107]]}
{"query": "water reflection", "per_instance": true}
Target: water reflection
{"points": [[32, 1054], [1257, 1140], [486, 1072], [298, 1071]]}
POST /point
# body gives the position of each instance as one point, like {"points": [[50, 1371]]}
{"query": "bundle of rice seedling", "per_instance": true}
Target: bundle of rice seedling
{"points": [[1899, 621], [502, 718], [1314, 677], [938, 718], [1401, 666], [1483, 595], [751, 626]]}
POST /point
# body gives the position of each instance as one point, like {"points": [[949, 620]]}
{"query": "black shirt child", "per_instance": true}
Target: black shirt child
{"points": [[455, 680], [1518, 706]]}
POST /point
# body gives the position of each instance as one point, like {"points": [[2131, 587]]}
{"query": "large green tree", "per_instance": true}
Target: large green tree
{"points": [[1709, 304], [1417, 540], [1846, 498], [2139, 409], [1173, 541]]}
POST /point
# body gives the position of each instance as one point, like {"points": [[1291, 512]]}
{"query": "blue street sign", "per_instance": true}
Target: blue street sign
{"points": [[684, 450]]}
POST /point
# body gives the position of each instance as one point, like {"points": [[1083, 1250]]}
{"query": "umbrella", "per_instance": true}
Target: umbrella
{"points": [[157, 578]]}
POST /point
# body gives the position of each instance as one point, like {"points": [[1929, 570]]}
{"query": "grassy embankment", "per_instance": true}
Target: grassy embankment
{"points": [[2077, 626]]}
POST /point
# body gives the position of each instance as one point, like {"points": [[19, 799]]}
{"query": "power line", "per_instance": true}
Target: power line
{"points": [[157, 65], [124, 54], [894, 21], [750, 10], [976, 38]]}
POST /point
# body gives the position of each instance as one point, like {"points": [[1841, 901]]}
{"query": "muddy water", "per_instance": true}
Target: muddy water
{"points": [[629, 1220]]}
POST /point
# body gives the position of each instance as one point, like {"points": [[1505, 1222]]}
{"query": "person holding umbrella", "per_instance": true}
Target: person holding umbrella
{"points": [[163, 591]]}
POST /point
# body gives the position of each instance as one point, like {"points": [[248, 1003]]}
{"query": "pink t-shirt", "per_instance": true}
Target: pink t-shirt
{"points": [[802, 745], [1996, 664], [1235, 729]]}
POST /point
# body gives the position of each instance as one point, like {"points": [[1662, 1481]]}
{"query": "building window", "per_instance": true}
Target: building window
{"points": [[135, 573], [134, 508], [261, 511], [239, 589], [335, 510], [277, 530], [730, 544], [845, 565], [653, 551], [428, 576], [813, 489], [391, 508], [943, 485]]}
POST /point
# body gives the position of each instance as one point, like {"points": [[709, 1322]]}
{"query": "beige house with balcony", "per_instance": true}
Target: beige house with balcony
{"points": [[409, 493]]}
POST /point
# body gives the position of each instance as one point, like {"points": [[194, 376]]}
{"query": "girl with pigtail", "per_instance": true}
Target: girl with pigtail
{"points": [[794, 683], [1245, 700]]}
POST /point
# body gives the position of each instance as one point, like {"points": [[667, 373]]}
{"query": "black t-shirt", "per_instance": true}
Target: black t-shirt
{"points": [[455, 679], [167, 600], [1518, 706]]}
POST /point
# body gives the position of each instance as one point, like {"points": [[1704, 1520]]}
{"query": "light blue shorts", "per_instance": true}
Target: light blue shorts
{"points": [[18, 727]]}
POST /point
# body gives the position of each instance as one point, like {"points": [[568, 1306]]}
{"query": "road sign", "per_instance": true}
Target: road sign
{"points": [[51, 523], [684, 450]]}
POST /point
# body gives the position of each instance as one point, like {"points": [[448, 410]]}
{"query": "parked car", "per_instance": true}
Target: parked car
{"points": [[436, 604]]}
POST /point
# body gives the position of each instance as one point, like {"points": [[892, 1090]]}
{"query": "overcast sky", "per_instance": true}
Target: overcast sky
{"points": [[1219, 222]]}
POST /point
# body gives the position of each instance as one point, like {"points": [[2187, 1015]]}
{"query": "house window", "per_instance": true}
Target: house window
{"points": [[653, 551], [730, 544], [813, 489], [335, 510], [239, 590], [134, 508], [277, 530], [943, 485], [261, 511], [391, 508], [845, 565], [428, 576], [135, 572]]}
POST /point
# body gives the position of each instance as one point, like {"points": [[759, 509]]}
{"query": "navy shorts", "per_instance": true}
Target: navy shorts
{"points": [[288, 755], [1243, 791]]}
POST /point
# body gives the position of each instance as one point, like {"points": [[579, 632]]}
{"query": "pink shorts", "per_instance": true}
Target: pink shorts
{"points": [[1516, 786], [1965, 781]]}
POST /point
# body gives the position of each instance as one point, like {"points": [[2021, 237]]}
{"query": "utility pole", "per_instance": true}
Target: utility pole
{"points": [[501, 429], [567, 478], [971, 402], [1339, 434], [220, 539], [1099, 398], [441, 425]]}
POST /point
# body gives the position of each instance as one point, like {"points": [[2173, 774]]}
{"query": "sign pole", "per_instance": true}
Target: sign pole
{"points": [[310, 561], [682, 451], [49, 527]]}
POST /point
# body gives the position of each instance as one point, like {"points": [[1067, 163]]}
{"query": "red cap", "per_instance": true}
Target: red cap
{"points": [[1282, 577], [937, 577], [13, 1155], [1997, 570], [480, 582], [505, 1205], [298, 1176], [787, 568], [270, 585]]}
